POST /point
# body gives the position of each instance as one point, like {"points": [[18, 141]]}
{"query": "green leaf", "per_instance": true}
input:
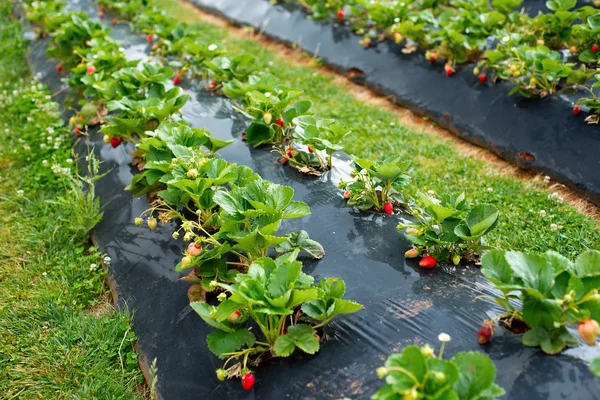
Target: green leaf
{"points": [[495, 267], [540, 311], [204, 311], [342, 306], [411, 360], [477, 374], [481, 219], [283, 278], [535, 270], [595, 367], [303, 336], [227, 342], [301, 241], [225, 309], [588, 263], [258, 134], [296, 209], [284, 346]]}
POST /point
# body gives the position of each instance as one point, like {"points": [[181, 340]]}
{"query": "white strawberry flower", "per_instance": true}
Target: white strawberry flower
{"points": [[444, 337]]}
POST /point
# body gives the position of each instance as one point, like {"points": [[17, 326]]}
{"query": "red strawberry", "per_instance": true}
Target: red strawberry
{"points": [[59, 68], [248, 381], [234, 317], [77, 131], [279, 122], [91, 69], [589, 331], [176, 80], [431, 60], [347, 194], [576, 110], [115, 141], [595, 48], [428, 262], [284, 160], [449, 70], [340, 14], [310, 149], [482, 78], [288, 151], [388, 208], [194, 249], [213, 84], [367, 42], [149, 37], [485, 333]]}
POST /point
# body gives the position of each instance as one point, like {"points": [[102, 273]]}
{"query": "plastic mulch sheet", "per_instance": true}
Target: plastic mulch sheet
{"points": [[403, 304]]}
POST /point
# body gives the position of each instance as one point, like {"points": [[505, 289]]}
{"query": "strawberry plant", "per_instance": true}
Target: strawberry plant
{"points": [[450, 228], [592, 102], [285, 304], [547, 292], [417, 373], [376, 184], [135, 117], [40, 13]]}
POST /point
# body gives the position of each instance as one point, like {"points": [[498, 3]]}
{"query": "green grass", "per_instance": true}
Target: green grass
{"points": [[437, 165], [59, 335]]}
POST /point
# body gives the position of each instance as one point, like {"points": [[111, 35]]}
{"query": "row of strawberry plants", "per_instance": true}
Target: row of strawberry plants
{"points": [[228, 213], [449, 228], [167, 162], [537, 55]]}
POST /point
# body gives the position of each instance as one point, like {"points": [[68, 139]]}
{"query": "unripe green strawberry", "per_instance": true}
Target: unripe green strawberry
{"points": [[138, 221], [456, 259], [192, 173], [185, 262], [106, 139], [221, 374], [152, 223]]}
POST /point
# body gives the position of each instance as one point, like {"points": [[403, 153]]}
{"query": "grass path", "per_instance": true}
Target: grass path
{"points": [[59, 335], [531, 218]]}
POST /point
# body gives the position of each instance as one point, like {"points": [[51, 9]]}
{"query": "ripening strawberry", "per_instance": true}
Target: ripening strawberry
{"points": [[449, 70], [340, 14], [397, 37], [115, 142], [213, 84], [194, 249], [428, 262], [149, 37], [248, 381], [152, 223], [388, 208], [288, 151], [589, 331], [595, 48], [234, 317], [284, 160], [279, 122], [576, 110], [100, 14], [77, 131], [310, 149], [90, 70], [482, 78], [366, 42], [176, 80], [59, 68], [412, 253], [347, 194]]}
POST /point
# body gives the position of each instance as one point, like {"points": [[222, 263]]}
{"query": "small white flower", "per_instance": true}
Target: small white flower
{"points": [[546, 179], [212, 47], [560, 200], [431, 192], [93, 267], [43, 146], [554, 227], [69, 161], [542, 213], [444, 337], [267, 94], [106, 260], [20, 193], [490, 189], [44, 163], [44, 273]]}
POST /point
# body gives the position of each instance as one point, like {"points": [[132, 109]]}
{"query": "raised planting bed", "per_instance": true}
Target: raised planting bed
{"points": [[541, 135], [403, 304]]}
